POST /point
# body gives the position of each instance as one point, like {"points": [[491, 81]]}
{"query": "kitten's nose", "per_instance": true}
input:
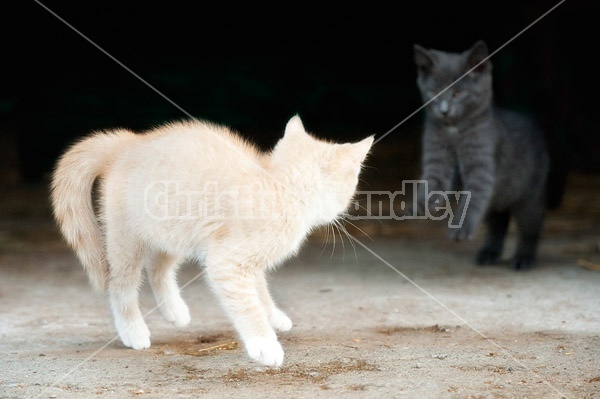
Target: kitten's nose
{"points": [[444, 108]]}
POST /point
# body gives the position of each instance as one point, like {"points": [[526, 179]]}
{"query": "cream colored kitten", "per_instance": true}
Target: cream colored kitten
{"points": [[197, 191]]}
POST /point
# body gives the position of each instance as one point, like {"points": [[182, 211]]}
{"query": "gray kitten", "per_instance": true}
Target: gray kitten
{"points": [[469, 143]]}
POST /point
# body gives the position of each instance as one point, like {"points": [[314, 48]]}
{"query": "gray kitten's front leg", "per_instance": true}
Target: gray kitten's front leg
{"points": [[477, 172], [438, 173]]}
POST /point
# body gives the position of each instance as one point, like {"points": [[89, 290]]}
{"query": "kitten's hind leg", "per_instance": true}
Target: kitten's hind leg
{"points": [[278, 319], [529, 220], [161, 270], [497, 225], [126, 260], [236, 287]]}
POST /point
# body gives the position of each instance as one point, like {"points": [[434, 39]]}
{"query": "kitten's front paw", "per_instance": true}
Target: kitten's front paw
{"points": [[176, 312], [414, 211], [464, 233], [488, 256], [523, 262], [267, 351], [135, 335], [280, 321]]}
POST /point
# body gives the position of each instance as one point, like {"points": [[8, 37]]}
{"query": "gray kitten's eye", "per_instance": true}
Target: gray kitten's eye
{"points": [[457, 93]]}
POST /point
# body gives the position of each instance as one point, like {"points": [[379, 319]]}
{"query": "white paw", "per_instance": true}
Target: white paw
{"points": [[176, 312], [267, 351], [280, 321], [135, 335]]}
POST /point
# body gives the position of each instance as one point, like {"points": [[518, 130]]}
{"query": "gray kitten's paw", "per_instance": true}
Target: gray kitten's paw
{"points": [[267, 351], [460, 234], [415, 210], [488, 256], [523, 261]]}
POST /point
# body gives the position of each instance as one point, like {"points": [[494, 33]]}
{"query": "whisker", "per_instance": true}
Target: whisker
{"points": [[345, 231], [336, 223], [367, 212], [334, 239], [356, 227], [370, 167], [325, 241]]}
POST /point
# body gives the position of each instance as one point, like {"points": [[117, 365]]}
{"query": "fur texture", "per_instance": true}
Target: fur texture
{"points": [[469, 143], [198, 191]]}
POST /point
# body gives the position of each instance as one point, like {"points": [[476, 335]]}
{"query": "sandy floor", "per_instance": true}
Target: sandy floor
{"points": [[436, 327]]}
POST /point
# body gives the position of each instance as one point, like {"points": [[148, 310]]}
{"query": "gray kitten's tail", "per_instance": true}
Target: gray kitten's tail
{"points": [[71, 194]]}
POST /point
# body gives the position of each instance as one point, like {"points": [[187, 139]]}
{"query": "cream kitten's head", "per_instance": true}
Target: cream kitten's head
{"points": [[329, 171]]}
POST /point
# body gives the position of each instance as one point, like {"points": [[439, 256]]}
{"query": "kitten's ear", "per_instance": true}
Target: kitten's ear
{"points": [[423, 59], [294, 127], [476, 54], [358, 151]]}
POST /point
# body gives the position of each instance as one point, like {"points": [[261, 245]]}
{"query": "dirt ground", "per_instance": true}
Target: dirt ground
{"points": [[435, 327]]}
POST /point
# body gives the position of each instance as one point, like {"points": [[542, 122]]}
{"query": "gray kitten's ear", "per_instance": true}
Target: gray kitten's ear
{"points": [[423, 59], [476, 54]]}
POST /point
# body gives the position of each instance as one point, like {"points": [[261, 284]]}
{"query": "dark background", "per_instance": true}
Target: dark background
{"points": [[346, 70]]}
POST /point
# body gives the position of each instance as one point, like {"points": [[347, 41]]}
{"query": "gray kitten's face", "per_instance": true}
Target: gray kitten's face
{"points": [[436, 70]]}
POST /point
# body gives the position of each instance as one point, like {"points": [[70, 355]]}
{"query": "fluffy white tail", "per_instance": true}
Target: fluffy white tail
{"points": [[71, 192]]}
